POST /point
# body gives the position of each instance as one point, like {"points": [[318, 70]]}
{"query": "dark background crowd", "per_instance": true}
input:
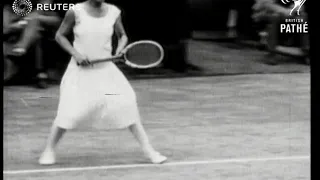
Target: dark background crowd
{"points": [[30, 49]]}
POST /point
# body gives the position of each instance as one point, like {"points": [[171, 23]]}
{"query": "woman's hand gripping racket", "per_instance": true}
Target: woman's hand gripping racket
{"points": [[141, 54]]}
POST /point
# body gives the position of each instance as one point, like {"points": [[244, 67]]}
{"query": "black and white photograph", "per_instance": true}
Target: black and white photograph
{"points": [[157, 90]]}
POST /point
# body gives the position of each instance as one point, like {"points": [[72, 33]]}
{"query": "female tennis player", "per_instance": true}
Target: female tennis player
{"points": [[96, 95]]}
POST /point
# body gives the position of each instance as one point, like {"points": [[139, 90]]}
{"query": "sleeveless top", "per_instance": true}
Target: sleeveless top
{"points": [[93, 35]]}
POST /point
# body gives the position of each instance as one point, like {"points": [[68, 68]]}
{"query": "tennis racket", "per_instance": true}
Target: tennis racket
{"points": [[140, 54]]}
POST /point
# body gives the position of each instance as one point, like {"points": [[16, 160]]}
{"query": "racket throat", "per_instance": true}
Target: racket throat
{"points": [[119, 58]]}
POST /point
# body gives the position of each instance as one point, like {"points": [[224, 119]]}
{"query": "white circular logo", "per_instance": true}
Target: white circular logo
{"points": [[285, 1], [297, 5], [22, 7]]}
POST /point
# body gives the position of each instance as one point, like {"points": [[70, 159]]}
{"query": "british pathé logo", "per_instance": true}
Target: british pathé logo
{"points": [[297, 5], [295, 23]]}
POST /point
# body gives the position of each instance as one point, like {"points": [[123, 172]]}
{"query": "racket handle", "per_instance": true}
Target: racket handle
{"points": [[118, 57]]}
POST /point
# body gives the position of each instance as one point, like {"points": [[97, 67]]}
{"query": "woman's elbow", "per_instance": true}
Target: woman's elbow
{"points": [[58, 36], [124, 38]]}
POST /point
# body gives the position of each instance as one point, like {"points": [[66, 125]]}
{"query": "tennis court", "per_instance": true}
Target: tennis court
{"points": [[225, 127]]}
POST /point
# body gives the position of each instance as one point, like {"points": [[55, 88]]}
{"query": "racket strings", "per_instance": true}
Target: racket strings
{"points": [[143, 54]]}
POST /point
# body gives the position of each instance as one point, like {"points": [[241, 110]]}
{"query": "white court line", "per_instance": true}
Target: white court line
{"points": [[24, 102], [183, 163]]}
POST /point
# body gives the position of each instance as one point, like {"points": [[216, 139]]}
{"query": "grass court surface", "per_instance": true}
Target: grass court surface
{"points": [[246, 127]]}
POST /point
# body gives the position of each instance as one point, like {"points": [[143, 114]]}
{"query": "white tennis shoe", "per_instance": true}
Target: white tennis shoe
{"points": [[47, 158], [155, 157]]}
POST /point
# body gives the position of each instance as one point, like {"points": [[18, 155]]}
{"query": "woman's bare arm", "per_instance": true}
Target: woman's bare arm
{"points": [[121, 34], [65, 29]]}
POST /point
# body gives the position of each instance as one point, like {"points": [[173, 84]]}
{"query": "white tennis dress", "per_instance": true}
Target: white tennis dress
{"points": [[99, 95]]}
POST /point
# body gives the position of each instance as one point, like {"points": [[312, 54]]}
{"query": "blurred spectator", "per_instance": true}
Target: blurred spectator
{"points": [[23, 34], [273, 13], [239, 19], [232, 23]]}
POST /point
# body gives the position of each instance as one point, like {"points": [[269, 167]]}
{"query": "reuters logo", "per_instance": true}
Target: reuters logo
{"points": [[22, 7]]}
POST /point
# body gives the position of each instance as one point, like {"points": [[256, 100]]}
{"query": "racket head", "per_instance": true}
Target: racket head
{"points": [[143, 54]]}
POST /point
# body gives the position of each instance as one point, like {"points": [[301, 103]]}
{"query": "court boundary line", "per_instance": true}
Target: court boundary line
{"points": [[24, 102], [181, 163]]}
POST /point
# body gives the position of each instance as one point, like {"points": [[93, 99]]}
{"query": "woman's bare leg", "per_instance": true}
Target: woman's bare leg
{"points": [[48, 156], [140, 134]]}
